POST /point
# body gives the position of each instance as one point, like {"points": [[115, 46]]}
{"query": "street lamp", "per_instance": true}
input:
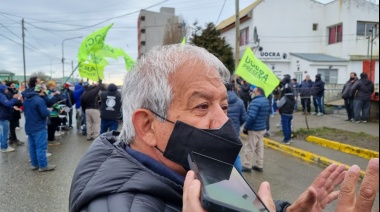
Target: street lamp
{"points": [[63, 53]]}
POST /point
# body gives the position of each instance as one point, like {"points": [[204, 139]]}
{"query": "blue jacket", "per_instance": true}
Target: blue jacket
{"points": [[78, 91], [36, 113], [236, 111], [305, 88], [6, 105], [258, 111]]}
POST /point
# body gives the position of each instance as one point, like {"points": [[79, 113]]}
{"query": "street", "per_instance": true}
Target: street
{"points": [[22, 189]]}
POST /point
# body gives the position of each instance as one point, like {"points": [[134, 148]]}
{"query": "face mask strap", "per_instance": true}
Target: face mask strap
{"points": [[161, 118], [159, 149]]}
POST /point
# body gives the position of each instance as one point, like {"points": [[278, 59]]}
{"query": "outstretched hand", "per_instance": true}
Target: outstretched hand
{"points": [[347, 200], [321, 192]]}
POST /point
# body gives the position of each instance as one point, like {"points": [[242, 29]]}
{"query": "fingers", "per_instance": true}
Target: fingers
{"points": [[305, 202], [369, 187], [346, 199], [191, 194], [335, 179], [320, 181], [266, 196], [330, 198], [189, 179]]}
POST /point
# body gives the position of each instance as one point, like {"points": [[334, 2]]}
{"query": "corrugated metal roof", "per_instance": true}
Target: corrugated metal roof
{"points": [[315, 57], [244, 12]]}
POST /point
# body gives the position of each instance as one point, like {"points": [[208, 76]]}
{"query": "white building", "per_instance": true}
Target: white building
{"points": [[304, 37], [152, 27]]}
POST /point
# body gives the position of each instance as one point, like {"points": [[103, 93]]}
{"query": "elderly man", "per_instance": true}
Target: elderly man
{"points": [[174, 100]]}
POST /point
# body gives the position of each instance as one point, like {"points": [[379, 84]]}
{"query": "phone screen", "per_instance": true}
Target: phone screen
{"points": [[223, 184]]}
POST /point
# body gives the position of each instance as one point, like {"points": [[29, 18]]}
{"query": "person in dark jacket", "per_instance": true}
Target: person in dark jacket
{"points": [[270, 99], [244, 91], [174, 96], [318, 95], [6, 107], [16, 116], [36, 114], [68, 95], [362, 92], [347, 96], [110, 109], [90, 104], [305, 93], [237, 114], [79, 114], [286, 105], [256, 126]]}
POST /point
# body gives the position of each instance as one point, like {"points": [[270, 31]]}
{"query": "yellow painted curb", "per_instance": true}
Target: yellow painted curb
{"points": [[305, 155], [353, 150]]}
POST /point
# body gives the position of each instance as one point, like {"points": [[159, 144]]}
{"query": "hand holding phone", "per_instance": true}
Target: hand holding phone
{"points": [[222, 186]]}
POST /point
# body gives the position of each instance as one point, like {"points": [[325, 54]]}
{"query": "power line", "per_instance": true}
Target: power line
{"points": [[221, 11], [109, 19]]}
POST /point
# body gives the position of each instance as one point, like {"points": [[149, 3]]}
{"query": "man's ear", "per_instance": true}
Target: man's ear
{"points": [[143, 122]]}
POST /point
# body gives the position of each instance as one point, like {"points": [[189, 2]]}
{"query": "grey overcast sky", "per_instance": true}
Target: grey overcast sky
{"points": [[49, 22]]}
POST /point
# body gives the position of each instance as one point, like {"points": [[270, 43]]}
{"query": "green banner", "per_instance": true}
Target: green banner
{"points": [[184, 40], [92, 43], [257, 73], [91, 71]]}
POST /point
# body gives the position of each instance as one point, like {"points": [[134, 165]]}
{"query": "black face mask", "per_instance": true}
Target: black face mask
{"points": [[222, 144], [13, 90], [352, 78]]}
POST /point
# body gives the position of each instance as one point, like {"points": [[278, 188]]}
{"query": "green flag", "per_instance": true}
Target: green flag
{"points": [[91, 71], [257, 73], [129, 62], [107, 51], [92, 43], [184, 40]]}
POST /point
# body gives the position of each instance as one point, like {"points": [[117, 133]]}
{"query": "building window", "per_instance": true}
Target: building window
{"points": [[329, 76], [315, 27], [336, 34], [142, 18], [143, 43], [363, 28], [244, 37], [143, 30]]}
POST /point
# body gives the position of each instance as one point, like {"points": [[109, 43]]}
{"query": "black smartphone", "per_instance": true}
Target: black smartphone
{"points": [[223, 188]]}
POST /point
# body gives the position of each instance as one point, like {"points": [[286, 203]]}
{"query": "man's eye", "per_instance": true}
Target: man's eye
{"points": [[224, 107], [202, 107]]}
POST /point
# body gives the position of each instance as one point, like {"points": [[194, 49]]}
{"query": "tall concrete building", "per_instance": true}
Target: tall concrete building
{"points": [[158, 29]]}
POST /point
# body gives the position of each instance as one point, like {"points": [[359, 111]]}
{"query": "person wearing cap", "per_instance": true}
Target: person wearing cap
{"points": [[15, 117], [6, 107], [318, 95], [36, 114]]}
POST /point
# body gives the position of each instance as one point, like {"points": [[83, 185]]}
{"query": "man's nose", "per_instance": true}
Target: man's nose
{"points": [[218, 118]]}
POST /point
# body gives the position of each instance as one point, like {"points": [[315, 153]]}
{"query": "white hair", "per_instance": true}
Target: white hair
{"points": [[147, 85]]}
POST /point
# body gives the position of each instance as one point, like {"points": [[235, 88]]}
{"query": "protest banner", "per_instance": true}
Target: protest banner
{"points": [[257, 73]]}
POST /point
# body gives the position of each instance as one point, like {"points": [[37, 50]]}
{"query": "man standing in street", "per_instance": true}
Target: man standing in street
{"points": [[244, 91], [68, 95], [256, 126], [90, 104], [110, 110], [78, 91], [318, 95], [362, 92], [347, 96], [305, 93], [6, 107], [286, 106], [14, 121], [36, 113]]}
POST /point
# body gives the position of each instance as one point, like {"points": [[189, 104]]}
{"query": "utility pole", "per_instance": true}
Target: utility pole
{"points": [[23, 49], [237, 25]]}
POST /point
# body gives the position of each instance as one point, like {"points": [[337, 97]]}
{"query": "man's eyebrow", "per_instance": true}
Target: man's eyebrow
{"points": [[199, 94]]}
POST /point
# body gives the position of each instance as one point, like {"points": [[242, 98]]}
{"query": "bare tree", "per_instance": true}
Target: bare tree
{"points": [[41, 75]]}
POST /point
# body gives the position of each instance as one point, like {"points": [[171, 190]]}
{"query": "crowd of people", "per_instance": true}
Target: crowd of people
{"points": [[48, 112]]}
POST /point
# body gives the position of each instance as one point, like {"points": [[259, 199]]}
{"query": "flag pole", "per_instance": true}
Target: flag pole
{"points": [[67, 79]]}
